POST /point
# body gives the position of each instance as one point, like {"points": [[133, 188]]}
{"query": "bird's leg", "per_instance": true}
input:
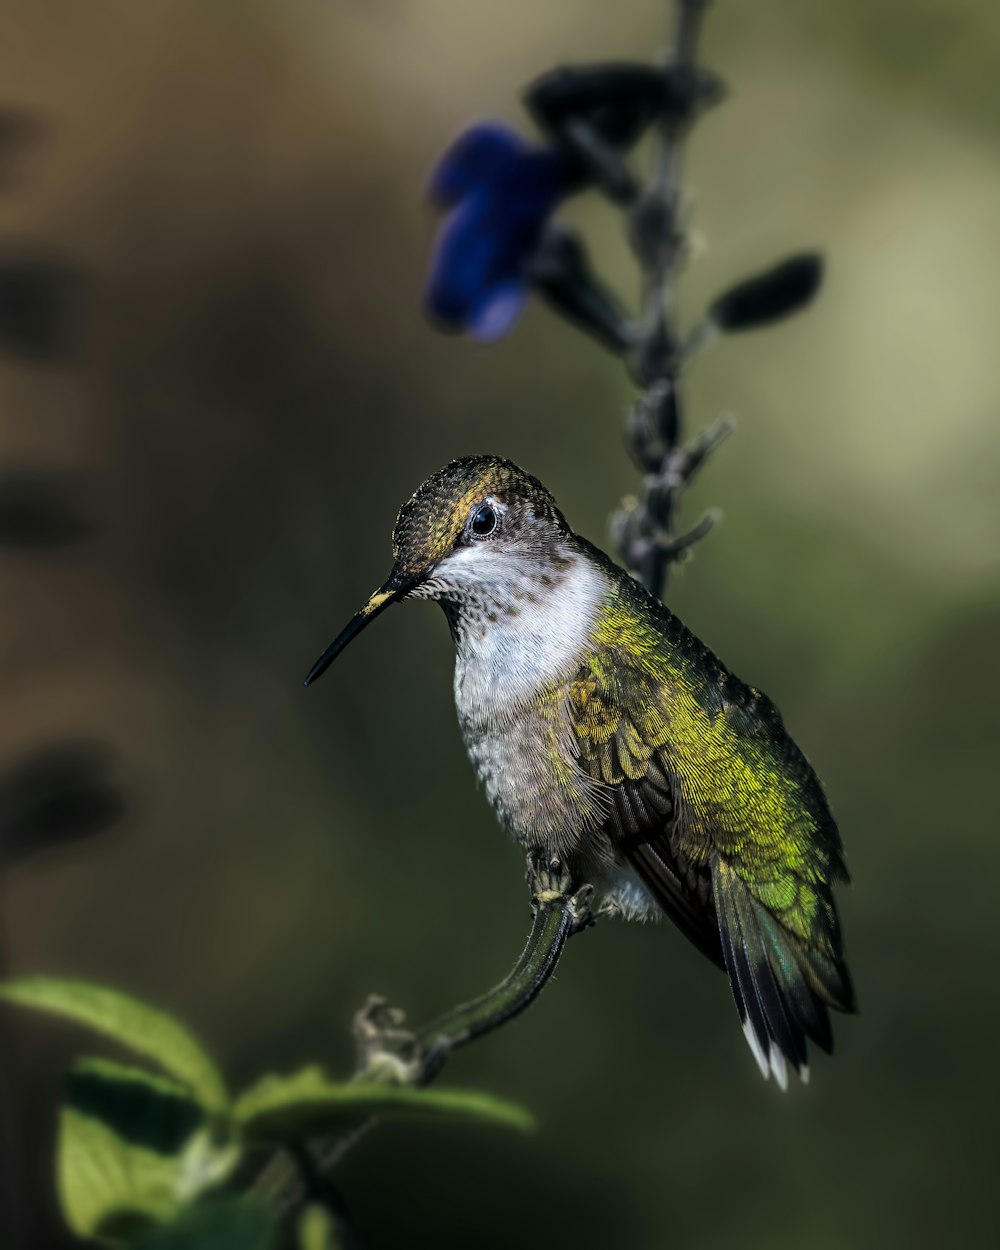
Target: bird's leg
{"points": [[550, 884]]}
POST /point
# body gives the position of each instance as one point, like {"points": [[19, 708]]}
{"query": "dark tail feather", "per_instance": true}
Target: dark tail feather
{"points": [[781, 992]]}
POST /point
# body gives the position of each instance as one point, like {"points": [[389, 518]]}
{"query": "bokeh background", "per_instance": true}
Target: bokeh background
{"points": [[216, 388]]}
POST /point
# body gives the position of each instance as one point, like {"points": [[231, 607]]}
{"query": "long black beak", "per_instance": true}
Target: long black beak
{"points": [[397, 587]]}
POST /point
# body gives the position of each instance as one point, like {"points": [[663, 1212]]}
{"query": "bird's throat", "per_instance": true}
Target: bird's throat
{"points": [[525, 631]]}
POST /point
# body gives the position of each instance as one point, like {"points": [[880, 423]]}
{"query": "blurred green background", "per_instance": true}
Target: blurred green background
{"points": [[252, 393]]}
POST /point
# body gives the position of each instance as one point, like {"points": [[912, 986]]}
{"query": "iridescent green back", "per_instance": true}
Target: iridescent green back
{"points": [[746, 858]]}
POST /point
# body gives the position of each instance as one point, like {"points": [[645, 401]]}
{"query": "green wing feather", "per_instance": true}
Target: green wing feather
{"points": [[722, 818]]}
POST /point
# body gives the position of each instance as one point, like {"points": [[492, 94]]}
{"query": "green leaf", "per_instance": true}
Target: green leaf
{"points": [[132, 1151], [106, 1184], [225, 1224], [143, 1029], [205, 1163], [316, 1229], [143, 1108], [295, 1108]]}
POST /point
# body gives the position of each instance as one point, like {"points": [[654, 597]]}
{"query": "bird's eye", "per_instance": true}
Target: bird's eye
{"points": [[484, 521]]}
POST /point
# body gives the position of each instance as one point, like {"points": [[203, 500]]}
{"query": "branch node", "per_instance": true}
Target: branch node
{"points": [[386, 1050]]}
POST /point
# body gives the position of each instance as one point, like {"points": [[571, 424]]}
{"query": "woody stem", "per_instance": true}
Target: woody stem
{"points": [[658, 239], [557, 913]]}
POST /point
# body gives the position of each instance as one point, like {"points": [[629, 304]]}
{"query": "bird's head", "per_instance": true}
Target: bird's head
{"points": [[478, 535]]}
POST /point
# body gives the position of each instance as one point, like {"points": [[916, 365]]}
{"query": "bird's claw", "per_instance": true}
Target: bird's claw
{"points": [[581, 905], [548, 878], [551, 882]]}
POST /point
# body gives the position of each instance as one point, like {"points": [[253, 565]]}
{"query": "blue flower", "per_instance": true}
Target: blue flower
{"points": [[498, 192]]}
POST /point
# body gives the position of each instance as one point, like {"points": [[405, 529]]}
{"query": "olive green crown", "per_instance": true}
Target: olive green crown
{"points": [[430, 523]]}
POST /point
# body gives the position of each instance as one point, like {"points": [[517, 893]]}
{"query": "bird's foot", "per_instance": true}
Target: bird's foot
{"points": [[551, 883], [548, 878], [582, 912]]}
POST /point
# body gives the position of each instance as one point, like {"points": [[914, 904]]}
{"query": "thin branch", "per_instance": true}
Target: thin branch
{"points": [[389, 1052], [657, 230], [646, 532], [557, 913]]}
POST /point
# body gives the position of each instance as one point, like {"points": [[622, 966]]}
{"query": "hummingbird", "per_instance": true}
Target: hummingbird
{"points": [[607, 735]]}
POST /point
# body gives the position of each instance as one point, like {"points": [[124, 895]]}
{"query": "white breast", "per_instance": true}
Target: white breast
{"points": [[519, 636], [512, 644], [522, 625]]}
